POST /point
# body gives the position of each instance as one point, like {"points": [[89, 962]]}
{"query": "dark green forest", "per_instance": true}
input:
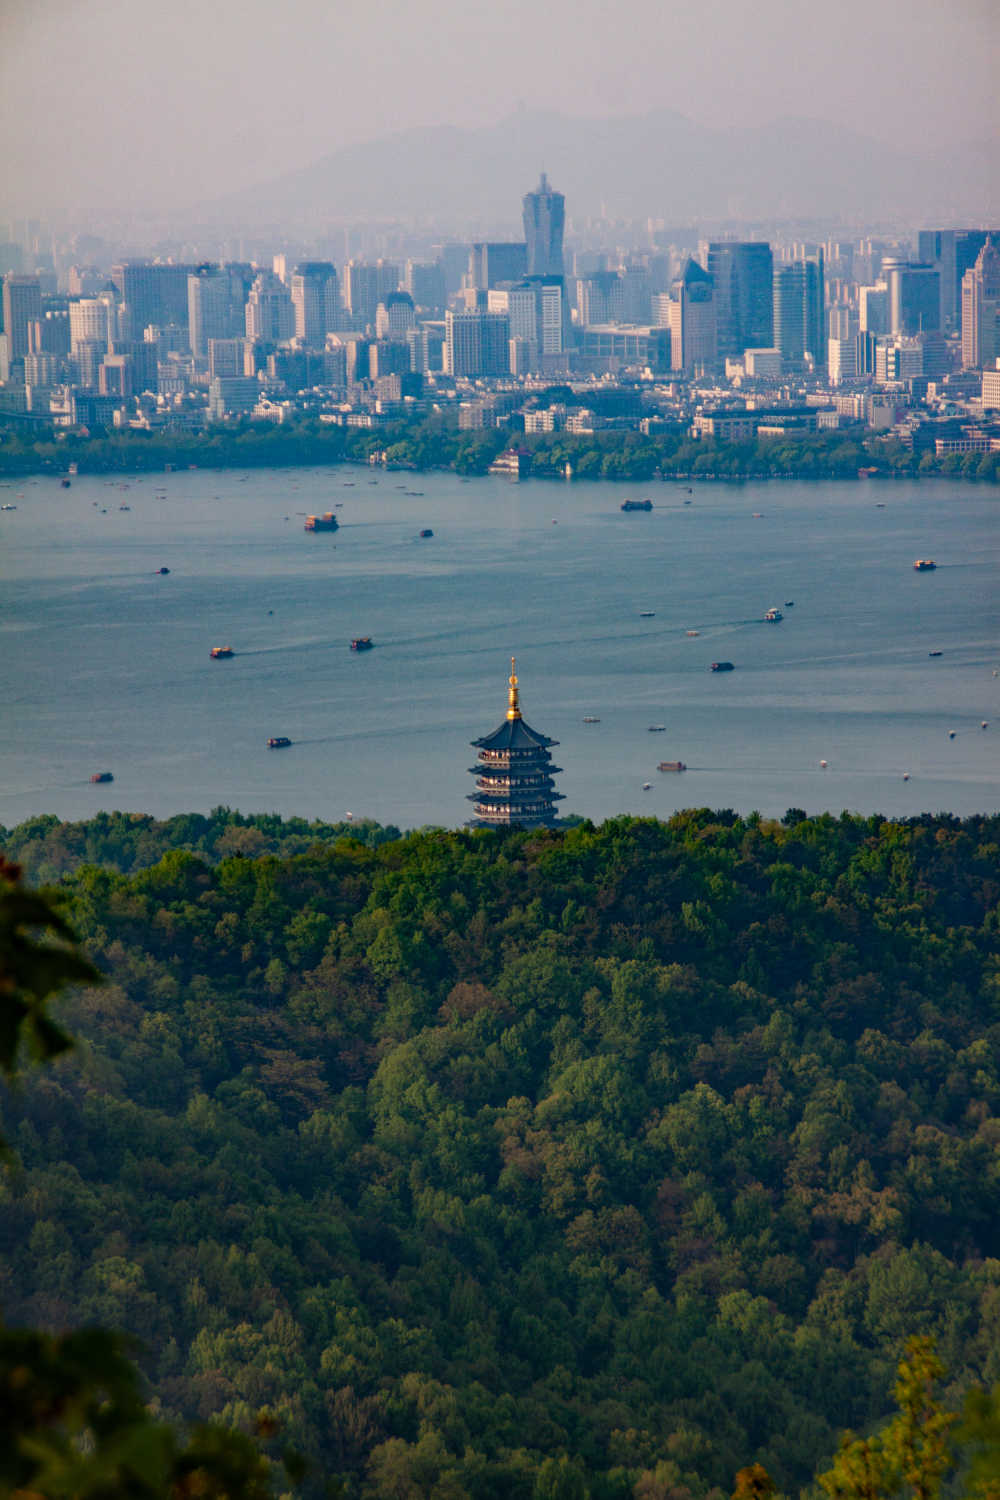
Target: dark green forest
{"points": [[436, 442], [600, 1161]]}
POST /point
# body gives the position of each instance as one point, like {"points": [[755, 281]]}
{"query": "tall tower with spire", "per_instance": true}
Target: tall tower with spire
{"points": [[514, 772], [544, 215]]}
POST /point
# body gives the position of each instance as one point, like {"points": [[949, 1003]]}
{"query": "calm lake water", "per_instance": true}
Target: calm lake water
{"points": [[105, 665]]}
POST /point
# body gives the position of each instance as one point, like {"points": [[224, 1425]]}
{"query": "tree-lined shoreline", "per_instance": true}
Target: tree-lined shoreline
{"points": [[436, 443]]}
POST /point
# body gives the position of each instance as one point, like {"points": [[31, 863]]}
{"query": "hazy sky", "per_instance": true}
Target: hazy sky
{"points": [[109, 102]]}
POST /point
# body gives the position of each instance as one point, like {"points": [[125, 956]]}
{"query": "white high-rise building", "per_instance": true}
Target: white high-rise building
{"points": [[92, 320]]}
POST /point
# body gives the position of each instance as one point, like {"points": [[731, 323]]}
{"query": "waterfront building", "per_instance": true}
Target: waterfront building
{"points": [[514, 772], [544, 217]]}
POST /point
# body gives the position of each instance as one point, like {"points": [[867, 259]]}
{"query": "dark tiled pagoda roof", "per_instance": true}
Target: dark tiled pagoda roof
{"points": [[514, 734]]}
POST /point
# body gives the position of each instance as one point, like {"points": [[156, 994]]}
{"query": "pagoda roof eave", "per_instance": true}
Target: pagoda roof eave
{"points": [[514, 734]]}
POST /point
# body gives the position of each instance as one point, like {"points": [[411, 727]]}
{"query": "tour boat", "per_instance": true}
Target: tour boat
{"points": [[671, 765], [326, 522], [219, 653], [278, 742], [924, 565], [773, 615], [637, 505]]}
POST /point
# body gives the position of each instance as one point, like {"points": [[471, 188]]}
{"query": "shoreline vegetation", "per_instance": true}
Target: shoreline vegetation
{"points": [[579, 1164], [436, 443]]}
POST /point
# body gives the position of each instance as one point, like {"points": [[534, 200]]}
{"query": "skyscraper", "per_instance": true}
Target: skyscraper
{"points": [[215, 307], [981, 309], [153, 293], [952, 252], [495, 261], [22, 304], [316, 299], [693, 337], [366, 284], [800, 312], [270, 314], [544, 216], [914, 296], [743, 273], [477, 343]]}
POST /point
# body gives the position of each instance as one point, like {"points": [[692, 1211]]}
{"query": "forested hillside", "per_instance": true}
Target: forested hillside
{"points": [[646, 1144]]}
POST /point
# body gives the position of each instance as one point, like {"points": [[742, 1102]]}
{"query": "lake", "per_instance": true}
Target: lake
{"points": [[104, 664]]}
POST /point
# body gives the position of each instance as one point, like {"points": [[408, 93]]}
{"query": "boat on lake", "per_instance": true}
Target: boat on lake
{"points": [[362, 643], [924, 565], [671, 765], [219, 653], [326, 522], [278, 742], [100, 776], [426, 532], [637, 505], [773, 615], [721, 666]]}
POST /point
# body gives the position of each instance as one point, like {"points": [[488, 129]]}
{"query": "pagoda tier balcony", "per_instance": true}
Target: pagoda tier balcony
{"points": [[506, 806], [514, 757], [543, 779], [523, 815], [542, 766]]}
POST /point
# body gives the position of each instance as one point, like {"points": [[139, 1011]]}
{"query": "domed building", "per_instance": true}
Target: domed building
{"points": [[514, 773]]}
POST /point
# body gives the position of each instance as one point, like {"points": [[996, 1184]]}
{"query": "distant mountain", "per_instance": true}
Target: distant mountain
{"points": [[658, 164]]}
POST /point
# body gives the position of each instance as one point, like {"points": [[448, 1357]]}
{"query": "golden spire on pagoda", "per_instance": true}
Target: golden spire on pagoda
{"points": [[513, 705]]}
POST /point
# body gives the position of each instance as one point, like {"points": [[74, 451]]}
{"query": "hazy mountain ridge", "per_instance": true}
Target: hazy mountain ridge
{"points": [[657, 164]]}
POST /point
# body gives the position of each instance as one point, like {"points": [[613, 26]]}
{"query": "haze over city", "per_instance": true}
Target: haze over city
{"points": [[133, 111]]}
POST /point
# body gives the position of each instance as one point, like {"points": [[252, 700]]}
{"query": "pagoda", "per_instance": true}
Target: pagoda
{"points": [[514, 775]]}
